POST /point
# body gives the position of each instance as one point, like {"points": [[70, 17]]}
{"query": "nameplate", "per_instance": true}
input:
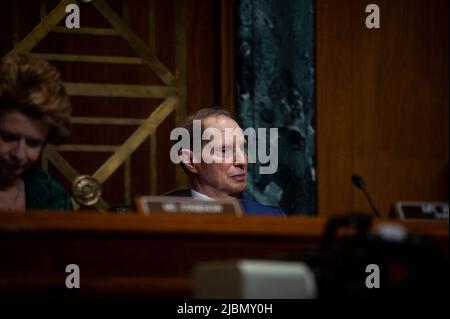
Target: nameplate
{"points": [[185, 205], [421, 210]]}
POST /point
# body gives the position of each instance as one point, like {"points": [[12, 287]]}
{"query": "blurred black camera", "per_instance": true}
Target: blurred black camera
{"points": [[409, 265]]}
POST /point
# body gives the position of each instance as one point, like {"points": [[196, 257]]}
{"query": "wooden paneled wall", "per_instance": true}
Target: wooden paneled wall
{"points": [[382, 103], [204, 24], [381, 94]]}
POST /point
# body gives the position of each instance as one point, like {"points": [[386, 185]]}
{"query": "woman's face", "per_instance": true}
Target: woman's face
{"points": [[21, 141]]}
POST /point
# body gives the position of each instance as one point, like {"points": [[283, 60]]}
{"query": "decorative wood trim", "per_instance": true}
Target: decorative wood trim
{"points": [[227, 55]]}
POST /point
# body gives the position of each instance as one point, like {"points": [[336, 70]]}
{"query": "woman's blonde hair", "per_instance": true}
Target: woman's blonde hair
{"points": [[33, 86]]}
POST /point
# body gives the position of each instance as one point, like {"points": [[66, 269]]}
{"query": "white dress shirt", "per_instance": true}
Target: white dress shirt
{"points": [[200, 196]]}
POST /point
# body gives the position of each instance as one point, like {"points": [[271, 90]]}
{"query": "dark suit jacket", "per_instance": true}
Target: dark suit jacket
{"points": [[250, 207]]}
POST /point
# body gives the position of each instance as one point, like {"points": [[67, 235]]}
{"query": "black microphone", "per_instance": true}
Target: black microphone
{"points": [[359, 182]]}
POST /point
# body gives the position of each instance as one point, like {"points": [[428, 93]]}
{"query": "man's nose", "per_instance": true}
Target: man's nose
{"points": [[18, 151], [241, 158]]}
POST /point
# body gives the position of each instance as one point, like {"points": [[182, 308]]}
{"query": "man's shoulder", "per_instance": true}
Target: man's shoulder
{"points": [[179, 193], [250, 207], [254, 208]]}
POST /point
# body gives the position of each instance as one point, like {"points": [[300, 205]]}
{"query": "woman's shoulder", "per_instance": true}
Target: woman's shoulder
{"points": [[43, 192]]}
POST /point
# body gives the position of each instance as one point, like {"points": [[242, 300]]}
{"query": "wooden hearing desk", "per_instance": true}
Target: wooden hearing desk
{"points": [[146, 256]]}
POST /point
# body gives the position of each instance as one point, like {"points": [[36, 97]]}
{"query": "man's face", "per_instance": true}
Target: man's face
{"points": [[21, 141], [224, 177]]}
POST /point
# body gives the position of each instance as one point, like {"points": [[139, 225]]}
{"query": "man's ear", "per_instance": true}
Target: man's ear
{"points": [[187, 158]]}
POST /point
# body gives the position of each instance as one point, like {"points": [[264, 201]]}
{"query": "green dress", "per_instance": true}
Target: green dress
{"points": [[42, 192]]}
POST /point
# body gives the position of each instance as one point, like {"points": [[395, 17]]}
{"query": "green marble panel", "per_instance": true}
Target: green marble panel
{"points": [[275, 70]]}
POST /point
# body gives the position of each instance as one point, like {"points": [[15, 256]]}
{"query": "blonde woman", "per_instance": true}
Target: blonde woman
{"points": [[34, 110]]}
